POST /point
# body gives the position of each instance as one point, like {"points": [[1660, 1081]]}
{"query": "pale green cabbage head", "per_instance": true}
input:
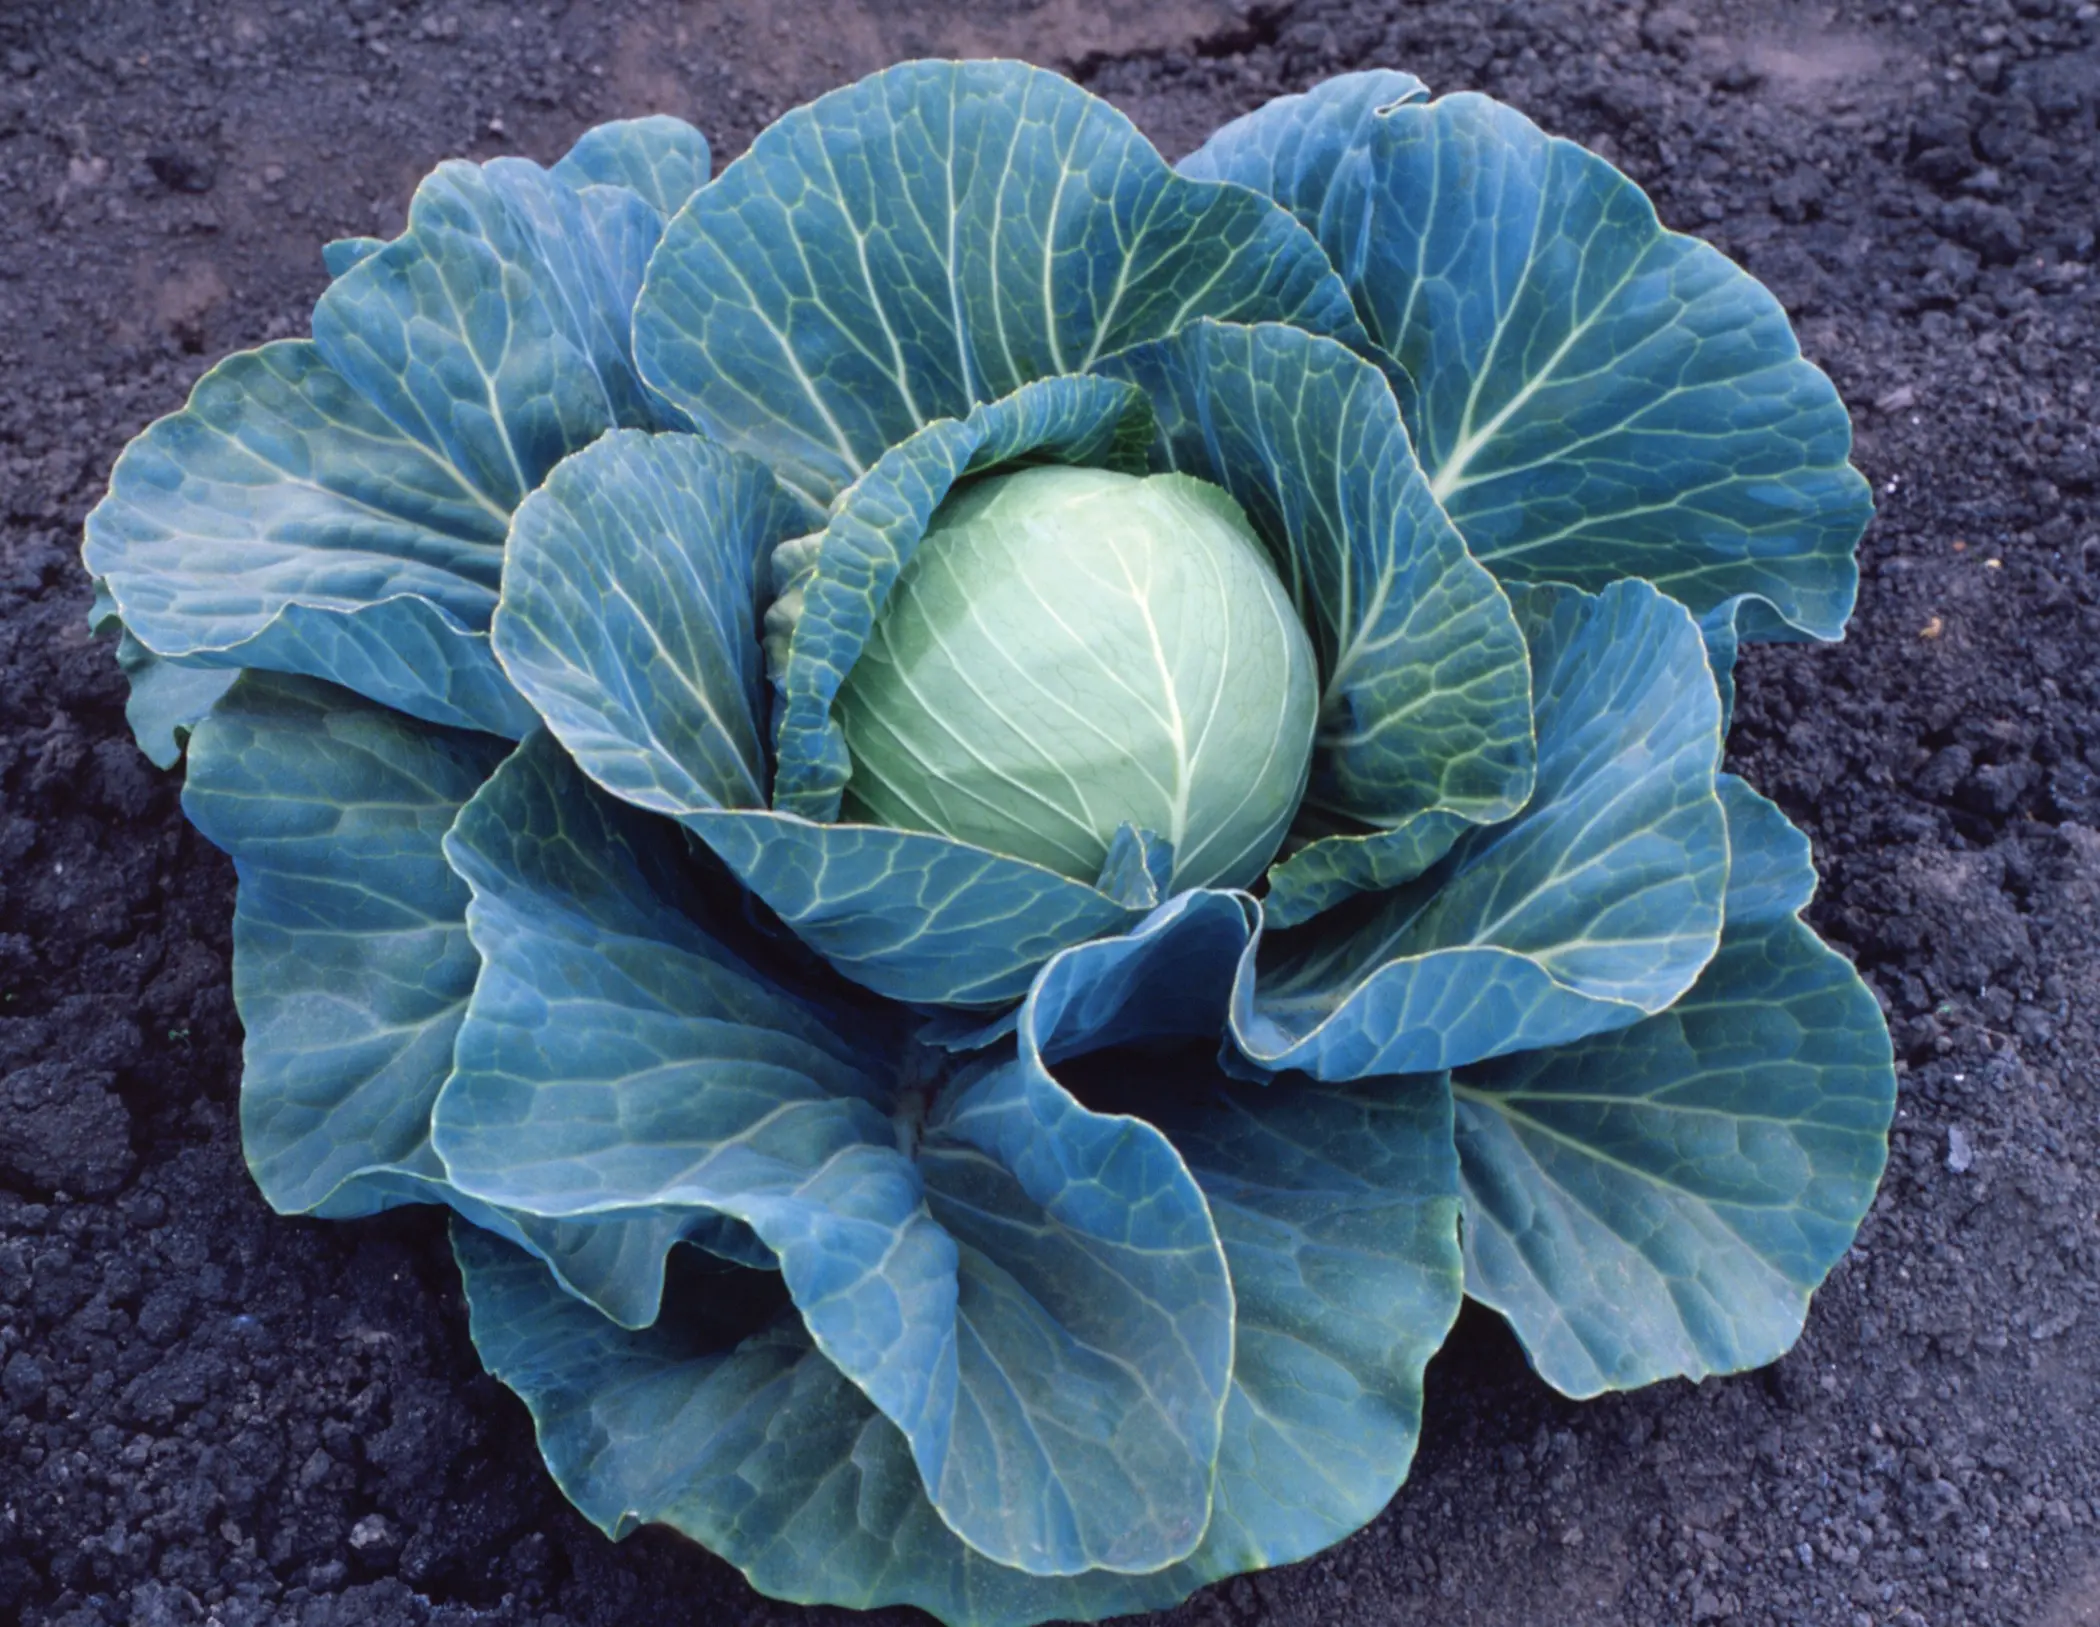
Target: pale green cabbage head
{"points": [[1073, 650]]}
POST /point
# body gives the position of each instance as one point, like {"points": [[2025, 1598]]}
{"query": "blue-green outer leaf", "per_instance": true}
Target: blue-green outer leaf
{"points": [[351, 961], [1312, 153], [1024, 1291], [1595, 396], [935, 236], [661, 160], [166, 702], [279, 522], [1095, 1323], [1338, 1206], [1339, 859], [763, 1452], [617, 1058], [916, 917], [352, 967], [337, 509], [629, 616], [1594, 907], [494, 332], [1661, 1201], [1084, 1233], [1338, 1209]]}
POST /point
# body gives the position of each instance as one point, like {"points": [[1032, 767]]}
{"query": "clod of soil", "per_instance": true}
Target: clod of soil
{"points": [[211, 1413]]}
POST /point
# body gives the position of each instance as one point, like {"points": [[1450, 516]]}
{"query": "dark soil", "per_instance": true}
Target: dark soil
{"points": [[212, 1413]]}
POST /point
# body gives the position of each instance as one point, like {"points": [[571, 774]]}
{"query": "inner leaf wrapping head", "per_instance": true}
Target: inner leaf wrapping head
{"points": [[1073, 650]]}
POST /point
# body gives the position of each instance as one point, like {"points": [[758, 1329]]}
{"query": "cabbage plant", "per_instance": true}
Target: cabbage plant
{"points": [[996, 813]]}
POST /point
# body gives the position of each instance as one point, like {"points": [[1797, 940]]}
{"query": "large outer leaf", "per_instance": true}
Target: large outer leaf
{"points": [[938, 235], [279, 522], [841, 579], [1661, 1201], [1337, 858], [661, 160], [1095, 1325], [352, 968], [1338, 1206], [338, 508], [1012, 1297], [630, 615], [1094, 1218], [1311, 152], [916, 917], [1595, 906], [166, 702], [616, 1057], [763, 1451], [1426, 689], [1595, 397], [494, 331], [627, 622], [351, 961]]}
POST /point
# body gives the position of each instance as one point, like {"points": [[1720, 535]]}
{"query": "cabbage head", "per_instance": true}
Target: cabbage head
{"points": [[995, 813]]}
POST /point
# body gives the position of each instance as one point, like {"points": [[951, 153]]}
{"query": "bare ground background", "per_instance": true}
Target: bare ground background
{"points": [[208, 1413]]}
